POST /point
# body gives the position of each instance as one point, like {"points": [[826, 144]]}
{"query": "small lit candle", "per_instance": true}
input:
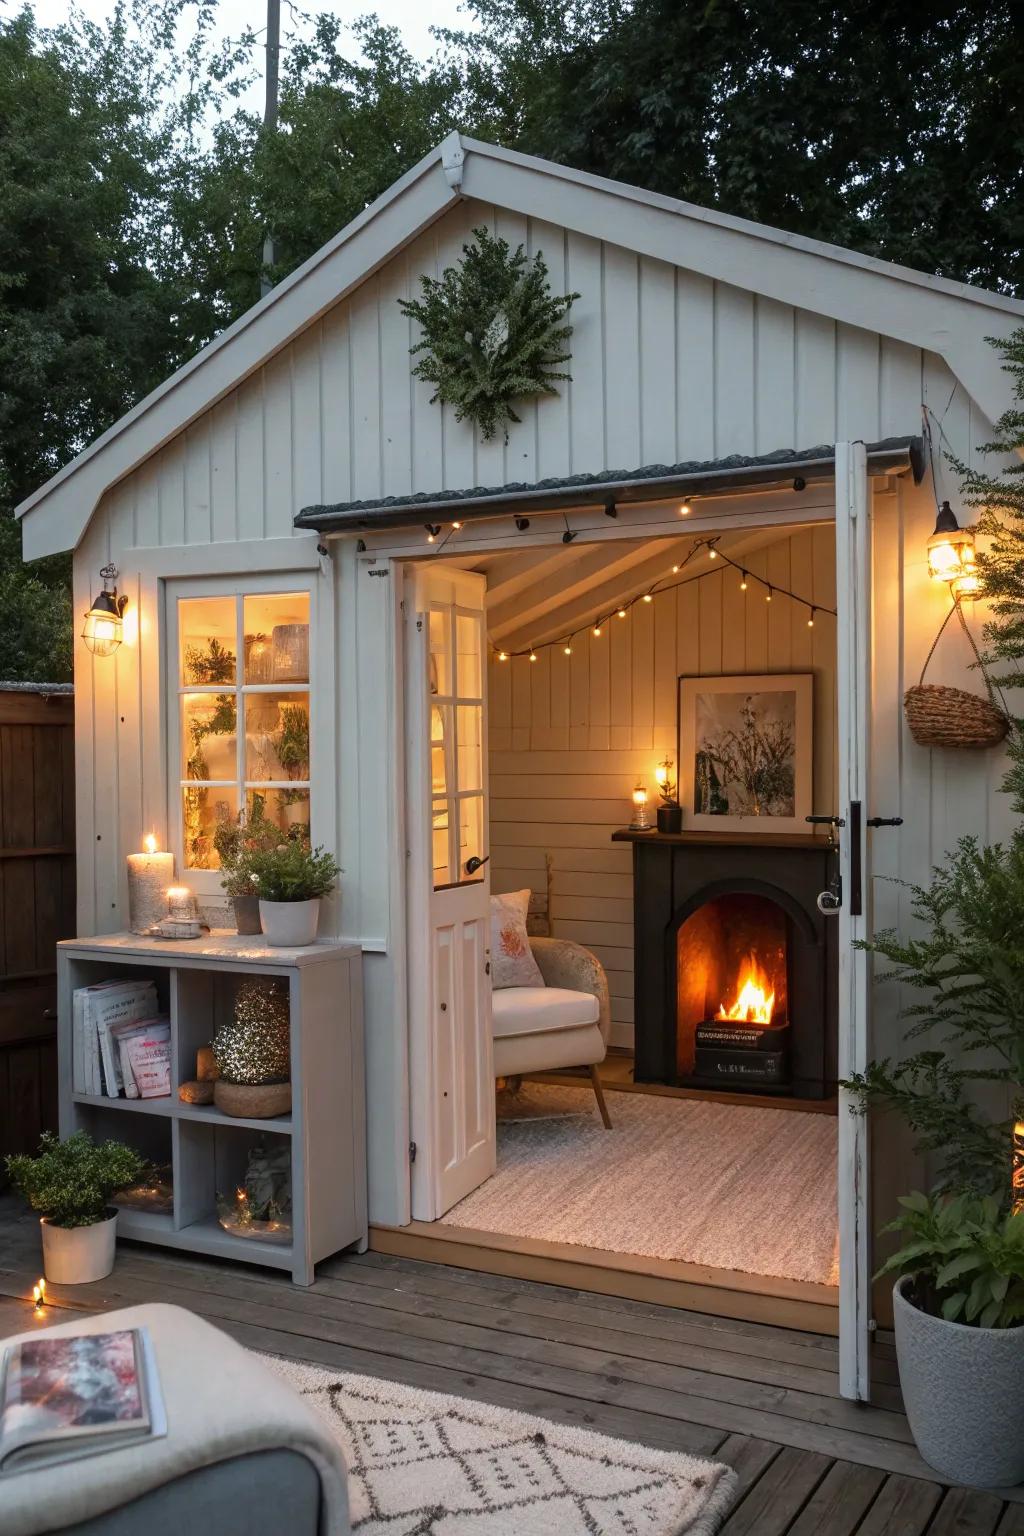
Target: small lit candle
{"points": [[39, 1294], [149, 874], [640, 822], [181, 904]]}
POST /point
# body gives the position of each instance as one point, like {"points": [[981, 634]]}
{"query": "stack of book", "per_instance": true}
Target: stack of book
{"points": [[61, 1398], [753, 1055], [121, 1044]]}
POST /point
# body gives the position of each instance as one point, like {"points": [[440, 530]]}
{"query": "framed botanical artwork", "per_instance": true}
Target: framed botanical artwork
{"points": [[746, 749]]}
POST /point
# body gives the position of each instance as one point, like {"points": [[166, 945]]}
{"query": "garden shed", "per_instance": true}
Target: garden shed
{"points": [[497, 648]]}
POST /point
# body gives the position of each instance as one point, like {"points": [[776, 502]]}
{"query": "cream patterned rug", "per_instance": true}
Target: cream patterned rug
{"points": [[426, 1464], [731, 1186]]}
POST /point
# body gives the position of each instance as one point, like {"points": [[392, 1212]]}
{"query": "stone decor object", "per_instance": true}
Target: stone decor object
{"points": [[196, 1091]]}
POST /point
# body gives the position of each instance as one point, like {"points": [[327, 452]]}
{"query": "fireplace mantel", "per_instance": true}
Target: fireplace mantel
{"points": [[673, 874]]}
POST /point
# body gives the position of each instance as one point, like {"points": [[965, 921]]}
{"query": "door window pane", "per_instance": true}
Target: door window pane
{"points": [[471, 766], [467, 633], [440, 732], [439, 841], [285, 809], [208, 639], [471, 833], [440, 654], [276, 737], [208, 739], [276, 637]]}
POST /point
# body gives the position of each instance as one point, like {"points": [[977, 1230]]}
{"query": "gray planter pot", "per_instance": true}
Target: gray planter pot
{"points": [[963, 1389], [247, 914]]}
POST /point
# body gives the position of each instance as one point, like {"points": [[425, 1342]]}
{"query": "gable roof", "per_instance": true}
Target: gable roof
{"points": [[948, 318]]}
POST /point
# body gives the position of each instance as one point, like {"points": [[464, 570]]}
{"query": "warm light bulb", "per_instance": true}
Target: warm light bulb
{"points": [[810, 621], [768, 595], [684, 510], [149, 843], [640, 795], [661, 774], [503, 656], [675, 570], [622, 613], [430, 538], [597, 629], [712, 554], [568, 650], [648, 597], [456, 526], [533, 655], [743, 582]]}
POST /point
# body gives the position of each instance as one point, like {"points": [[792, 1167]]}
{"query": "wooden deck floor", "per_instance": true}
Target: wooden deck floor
{"points": [[763, 1399]]}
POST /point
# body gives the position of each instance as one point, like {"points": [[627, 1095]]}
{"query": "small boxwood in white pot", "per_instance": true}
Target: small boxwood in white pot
{"points": [[71, 1184], [290, 881]]}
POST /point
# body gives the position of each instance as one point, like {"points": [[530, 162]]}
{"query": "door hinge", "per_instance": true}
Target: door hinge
{"points": [[412, 1151]]}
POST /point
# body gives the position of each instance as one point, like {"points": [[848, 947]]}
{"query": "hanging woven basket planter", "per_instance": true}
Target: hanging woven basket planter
{"points": [[939, 716]]}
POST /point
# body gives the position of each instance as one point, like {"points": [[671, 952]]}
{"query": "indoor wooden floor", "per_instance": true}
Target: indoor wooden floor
{"points": [[763, 1399]]}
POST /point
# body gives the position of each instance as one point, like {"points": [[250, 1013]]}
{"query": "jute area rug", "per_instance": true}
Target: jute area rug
{"points": [[731, 1186], [426, 1464]]}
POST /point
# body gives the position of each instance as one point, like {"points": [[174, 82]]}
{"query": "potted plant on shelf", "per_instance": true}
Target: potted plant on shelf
{"points": [[71, 1184], [235, 838], [959, 1299], [290, 881]]}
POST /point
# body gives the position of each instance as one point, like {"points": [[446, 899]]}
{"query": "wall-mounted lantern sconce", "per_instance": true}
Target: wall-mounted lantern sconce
{"points": [[951, 554], [103, 630]]}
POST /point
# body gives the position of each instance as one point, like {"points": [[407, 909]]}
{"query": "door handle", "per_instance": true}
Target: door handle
{"points": [[475, 863], [884, 821]]}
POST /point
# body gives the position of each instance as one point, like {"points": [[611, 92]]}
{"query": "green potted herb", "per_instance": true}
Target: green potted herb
{"points": [[290, 881], [71, 1184]]}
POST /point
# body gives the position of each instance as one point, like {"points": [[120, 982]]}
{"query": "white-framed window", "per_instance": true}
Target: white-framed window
{"points": [[241, 716]]}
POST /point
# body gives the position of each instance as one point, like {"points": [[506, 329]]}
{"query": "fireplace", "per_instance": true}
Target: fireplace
{"points": [[734, 966]]}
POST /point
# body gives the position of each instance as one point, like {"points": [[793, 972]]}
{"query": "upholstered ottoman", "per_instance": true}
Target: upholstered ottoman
{"points": [[243, 1454]]}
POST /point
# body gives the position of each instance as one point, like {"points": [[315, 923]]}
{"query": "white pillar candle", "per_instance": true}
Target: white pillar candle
{"points": [[149, 875]]}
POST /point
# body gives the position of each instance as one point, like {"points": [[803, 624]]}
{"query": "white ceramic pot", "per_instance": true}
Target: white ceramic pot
{"points": [[74, 1255], [962, 1392], [290, 924]]}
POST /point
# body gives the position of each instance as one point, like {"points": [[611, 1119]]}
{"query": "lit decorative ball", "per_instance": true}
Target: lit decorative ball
{"points": [[255, 1047]]}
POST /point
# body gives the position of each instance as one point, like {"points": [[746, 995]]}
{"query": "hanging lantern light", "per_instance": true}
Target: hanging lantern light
{"points": [[103, 630], [951, 554]]}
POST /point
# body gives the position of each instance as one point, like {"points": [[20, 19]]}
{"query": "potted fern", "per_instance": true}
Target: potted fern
{"points": [[71, 1184], [290, 881], [959, 1296]]}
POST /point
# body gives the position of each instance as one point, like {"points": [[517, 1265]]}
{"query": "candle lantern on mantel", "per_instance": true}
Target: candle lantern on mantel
{"points": [[670, 812], [641, 821], [149, 875]]}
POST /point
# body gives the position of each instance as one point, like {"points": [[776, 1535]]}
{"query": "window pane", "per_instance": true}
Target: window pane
{"points": [[207, 640], [467, 632], [470, 746], [440, 653], [276, 736], [202, 811], [208, 737], [471, 833], [276, 628], [440, 733], [287, 809], [439, 837]]}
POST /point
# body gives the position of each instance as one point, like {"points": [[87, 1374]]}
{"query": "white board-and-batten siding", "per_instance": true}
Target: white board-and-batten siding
{"points": [[668, 365]]}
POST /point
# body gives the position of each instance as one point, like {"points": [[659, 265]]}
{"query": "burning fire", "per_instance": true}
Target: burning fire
{"points": [[754, 1001]]}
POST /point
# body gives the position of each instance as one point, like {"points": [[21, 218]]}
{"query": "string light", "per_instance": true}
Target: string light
{"points": [[456, 527], [685, 509], [746, 577]]}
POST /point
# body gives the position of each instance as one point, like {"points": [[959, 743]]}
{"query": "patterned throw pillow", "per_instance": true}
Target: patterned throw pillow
{"points": [[512, 962]]}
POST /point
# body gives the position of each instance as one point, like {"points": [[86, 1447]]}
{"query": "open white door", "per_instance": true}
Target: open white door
{"points": [[448, 916], [853, 661]]}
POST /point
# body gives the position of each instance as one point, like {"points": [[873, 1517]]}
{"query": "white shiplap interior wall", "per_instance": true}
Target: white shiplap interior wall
{"points": [[570, 735]]}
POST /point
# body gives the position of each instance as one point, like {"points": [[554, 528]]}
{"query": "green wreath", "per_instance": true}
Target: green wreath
{"points": [[493, 332]]}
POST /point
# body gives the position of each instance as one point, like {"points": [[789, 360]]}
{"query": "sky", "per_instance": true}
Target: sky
{"points": [[413, 18]]}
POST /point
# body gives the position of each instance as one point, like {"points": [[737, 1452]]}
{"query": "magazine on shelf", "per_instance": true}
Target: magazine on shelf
{"points": [[96, 1064], [66, 1397], [149, 1059], [157, 1031]]}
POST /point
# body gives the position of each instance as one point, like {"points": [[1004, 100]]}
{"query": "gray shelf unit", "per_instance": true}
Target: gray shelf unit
{"points": [[326, 1129]]}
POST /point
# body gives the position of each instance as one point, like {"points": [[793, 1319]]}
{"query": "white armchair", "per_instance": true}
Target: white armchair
{"points": [[565, 1023]]}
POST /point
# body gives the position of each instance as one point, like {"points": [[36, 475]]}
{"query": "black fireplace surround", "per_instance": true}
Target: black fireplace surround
{"points": [[676, 876]]}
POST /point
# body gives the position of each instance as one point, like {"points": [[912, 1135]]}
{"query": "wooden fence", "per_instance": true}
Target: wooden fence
{"points": [[37, 902]]}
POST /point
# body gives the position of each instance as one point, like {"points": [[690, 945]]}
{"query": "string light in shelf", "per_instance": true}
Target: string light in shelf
{"points": [[622, 609]]}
